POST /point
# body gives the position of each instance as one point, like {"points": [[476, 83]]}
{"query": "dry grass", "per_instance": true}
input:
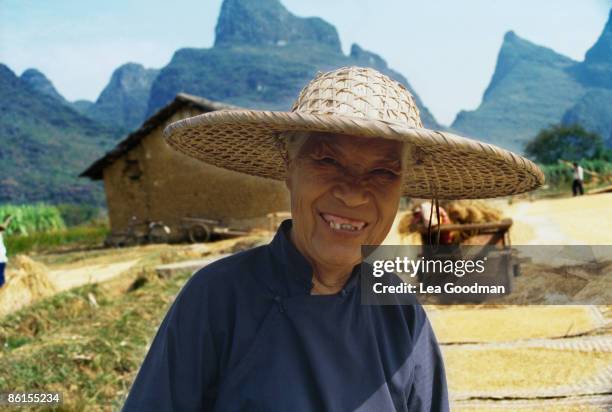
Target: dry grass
{"points": [[87, 342], [542, 407], [589, 283], [464, 324], [520, 369], [27, 282], [472, 211]]}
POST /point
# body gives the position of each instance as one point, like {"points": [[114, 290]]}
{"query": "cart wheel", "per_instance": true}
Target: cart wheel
{"points": [[158, 233], [130, 240], [199, 233], [516, 270]]}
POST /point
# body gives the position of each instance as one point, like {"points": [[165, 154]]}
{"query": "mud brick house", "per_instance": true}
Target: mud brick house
{"points": [[146, 179]]}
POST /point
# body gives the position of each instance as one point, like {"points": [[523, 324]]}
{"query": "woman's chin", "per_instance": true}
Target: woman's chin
{"points": [[335, 255]]}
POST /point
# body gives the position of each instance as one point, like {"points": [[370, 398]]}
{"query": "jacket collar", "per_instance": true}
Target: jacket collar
{"points": [[296, 270]]}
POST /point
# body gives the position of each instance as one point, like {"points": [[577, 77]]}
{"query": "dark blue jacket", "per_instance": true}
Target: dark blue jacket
{"points": [[245, 334]]}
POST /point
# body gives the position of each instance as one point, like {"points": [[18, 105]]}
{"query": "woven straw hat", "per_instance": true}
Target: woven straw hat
{"points": [[360, 102]]}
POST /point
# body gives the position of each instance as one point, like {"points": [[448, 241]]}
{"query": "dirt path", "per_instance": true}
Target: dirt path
{"points": [[64, 279], [569, 221], [75, 269]]}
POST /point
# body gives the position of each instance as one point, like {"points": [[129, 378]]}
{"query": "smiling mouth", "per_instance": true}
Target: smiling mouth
{"points": [[342, 223]]}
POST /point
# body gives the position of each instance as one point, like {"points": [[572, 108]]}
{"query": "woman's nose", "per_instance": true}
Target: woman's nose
{"points": [[352, 194]]}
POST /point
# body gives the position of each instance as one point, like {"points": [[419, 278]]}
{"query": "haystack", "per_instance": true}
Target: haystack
{"points": [[458, 212], [472, 211], [26, 282]]}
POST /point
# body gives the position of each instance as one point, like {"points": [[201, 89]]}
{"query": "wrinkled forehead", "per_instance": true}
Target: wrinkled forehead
{"points": [[355, 147]]}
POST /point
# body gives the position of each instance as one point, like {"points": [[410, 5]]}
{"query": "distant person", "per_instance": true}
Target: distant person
{"points": [[3, 257], [578, 179], [421, 216]]}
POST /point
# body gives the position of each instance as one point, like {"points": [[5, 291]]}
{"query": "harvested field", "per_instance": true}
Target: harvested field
{"points": [[87, 342], [454, 324], [27, 282], [575, 404], [525, 372]]}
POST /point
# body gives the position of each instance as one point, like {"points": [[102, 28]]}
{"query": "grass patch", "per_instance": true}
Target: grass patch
{"points": [[74, 237], [89, 352]]}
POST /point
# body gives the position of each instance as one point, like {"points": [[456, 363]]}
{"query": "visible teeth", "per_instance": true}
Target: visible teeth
{"points": [[343, 226], [338, 222]]}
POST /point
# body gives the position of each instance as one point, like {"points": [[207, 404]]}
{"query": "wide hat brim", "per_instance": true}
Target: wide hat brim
{"points": [[441, 165]]}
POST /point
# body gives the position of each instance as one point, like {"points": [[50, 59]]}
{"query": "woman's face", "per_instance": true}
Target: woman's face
{"points": [[345, 193]]}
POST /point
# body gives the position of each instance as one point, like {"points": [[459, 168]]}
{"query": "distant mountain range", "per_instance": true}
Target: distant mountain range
{"points": [[122, 105], [533, 87], [44, 144], [262, 56]]}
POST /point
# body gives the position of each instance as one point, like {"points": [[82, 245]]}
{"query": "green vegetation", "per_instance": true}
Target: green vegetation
{"points": [[85, 236], [78, 214], [123, 102], [558, 145], [28, 219], [41, 227], [570, 143], [560, 176], [87, 342], [45, 146]]}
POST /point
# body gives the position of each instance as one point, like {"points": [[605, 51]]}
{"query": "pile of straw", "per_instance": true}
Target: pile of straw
{"points": [[26, 282], [472, 211], [404, 226], [459, 211]]}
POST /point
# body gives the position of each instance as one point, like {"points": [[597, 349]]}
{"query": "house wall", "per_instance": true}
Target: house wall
{"points": [[173, 186]]}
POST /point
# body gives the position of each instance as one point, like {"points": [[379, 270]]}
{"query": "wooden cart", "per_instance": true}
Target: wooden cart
{"points": [[203, 230], [480, 240]]}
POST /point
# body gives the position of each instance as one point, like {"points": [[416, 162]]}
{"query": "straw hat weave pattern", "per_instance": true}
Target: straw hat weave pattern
{"points": [[360, 102]]}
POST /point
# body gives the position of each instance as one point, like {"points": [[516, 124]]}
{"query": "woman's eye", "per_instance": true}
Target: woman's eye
{"points": [[384, 172], [328, 161]]}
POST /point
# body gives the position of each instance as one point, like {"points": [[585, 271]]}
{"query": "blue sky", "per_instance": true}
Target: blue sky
{"points": [[446, 48]]}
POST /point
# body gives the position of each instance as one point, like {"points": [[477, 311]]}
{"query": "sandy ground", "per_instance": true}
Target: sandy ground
{"points": [[70, 270], [69, 278], [569, 221]]}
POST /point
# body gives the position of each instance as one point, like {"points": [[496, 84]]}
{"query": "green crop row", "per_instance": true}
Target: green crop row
{"points": [[31, 218], [85, 236]]}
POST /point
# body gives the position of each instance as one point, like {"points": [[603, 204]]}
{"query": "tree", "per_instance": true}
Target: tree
{"points": [[571, 143]]}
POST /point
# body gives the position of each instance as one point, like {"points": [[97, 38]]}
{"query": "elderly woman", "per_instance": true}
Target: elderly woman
{"points": [[282, 327]]}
